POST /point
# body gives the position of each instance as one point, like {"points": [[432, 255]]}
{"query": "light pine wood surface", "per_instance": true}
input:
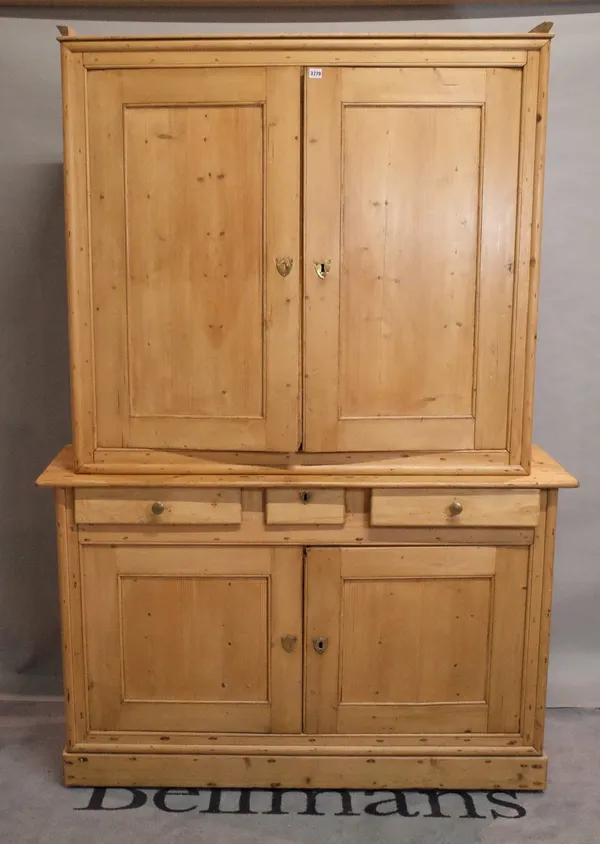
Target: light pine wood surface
{"points": [[158, 507], [276, 771], [304, 539], [385, 613], [190, 638], [152, 600], [426, 365], [208, 225], [305, 507], [259, 470], [472, 507], [185, 355]]}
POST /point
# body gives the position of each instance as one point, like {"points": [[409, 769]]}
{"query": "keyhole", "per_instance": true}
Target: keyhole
{"points": [[320, 644], [305, 497], [322, 267]]}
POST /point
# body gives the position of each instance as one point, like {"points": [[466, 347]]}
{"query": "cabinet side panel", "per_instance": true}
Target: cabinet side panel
{"points": [[527, 173], [545, 614], [538, 197], [74, 84], [532, 627], [71, 618]]}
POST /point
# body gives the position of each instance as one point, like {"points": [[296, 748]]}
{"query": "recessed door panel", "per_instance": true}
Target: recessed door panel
{"points": [[194, 202], [409, 247]]}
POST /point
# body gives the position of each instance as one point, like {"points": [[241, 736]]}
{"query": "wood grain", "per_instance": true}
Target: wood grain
{"points": [[508, 639], [322, 620], [406, 462], [536, 246], [545, 616], [305, 507], [533, 663], [194, 192], [77, 231], [498, 211], [70, 593], [250, 771], [373, 42], [256, 471], [419, 640], [412, 53], [527, 174], [262, 582], [450, 744], [360, 392], [500, 508], [355, 532], [179, 507]]}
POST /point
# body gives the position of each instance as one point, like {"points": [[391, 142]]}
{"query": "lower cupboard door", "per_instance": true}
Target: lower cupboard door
{"points": [[192, 639], [415, 639]]}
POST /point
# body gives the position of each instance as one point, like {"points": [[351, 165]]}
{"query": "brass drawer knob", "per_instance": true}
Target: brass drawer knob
{"points": [[158, 508], [455, 509]]}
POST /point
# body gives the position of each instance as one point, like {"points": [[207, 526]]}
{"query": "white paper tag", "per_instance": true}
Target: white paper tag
{"points": [[315, 73]]}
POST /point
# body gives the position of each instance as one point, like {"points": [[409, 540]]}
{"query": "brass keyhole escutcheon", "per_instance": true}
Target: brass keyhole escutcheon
{"points": [[322, 267], [158, 508], [288, 643], [320, 644], [284, 265], [305, 496]]}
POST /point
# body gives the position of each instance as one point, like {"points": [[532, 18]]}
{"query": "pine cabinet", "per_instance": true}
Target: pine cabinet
{"points": [[304, 538], [326, 653], [303, 261]]}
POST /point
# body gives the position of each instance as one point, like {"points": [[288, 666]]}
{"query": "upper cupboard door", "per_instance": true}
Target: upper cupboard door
{"points": [[412, 179], [194, 200]]}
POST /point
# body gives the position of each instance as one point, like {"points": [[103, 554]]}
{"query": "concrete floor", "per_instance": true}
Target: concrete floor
{"points": [[36, 809]]}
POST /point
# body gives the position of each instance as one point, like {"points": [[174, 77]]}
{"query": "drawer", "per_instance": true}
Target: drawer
{"points": [[461, 507], [156, 506], [305, 507]]}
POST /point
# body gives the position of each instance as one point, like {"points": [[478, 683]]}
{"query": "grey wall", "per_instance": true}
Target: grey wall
{"points": [[34, 415]]}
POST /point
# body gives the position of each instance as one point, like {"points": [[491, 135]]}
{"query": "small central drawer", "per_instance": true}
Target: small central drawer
{"points": [[158, 506], [461, 507], [305, 507]]}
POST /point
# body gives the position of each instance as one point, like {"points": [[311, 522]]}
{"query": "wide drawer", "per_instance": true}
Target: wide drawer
{"points": [[461, 507], [305, 507], [155, 506]]}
